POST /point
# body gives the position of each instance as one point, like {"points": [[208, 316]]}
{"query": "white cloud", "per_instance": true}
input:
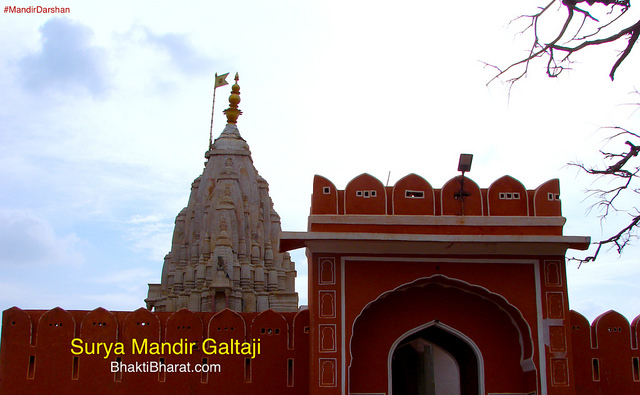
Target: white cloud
{"points": [[182, 53], [150, 234], [126, 277], [66, 61], [28, 239]]}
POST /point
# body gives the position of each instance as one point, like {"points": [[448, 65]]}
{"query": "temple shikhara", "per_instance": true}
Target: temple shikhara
{"points": [[224, 252], [413, 290]]}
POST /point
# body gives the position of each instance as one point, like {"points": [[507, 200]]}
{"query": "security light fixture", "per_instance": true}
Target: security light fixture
{"points": [[464, 164]]}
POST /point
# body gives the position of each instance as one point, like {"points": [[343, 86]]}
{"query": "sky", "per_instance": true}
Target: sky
{"points": [[105, 115]]}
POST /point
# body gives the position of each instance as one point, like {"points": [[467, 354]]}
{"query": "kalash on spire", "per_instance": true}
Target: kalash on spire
{"points": [[225, 242]]}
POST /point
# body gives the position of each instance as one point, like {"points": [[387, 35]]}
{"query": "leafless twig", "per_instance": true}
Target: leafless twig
{"points": [[622, 172], [570, 40]]}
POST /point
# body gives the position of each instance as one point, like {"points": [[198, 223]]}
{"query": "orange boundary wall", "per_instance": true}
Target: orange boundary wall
{"points": [[36, 357], [36, 353]]}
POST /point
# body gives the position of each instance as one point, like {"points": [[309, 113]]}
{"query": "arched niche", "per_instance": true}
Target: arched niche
{"points": [[613, 342], [272, 330], [92, 367], [324, 199], [100, 325], [583, 353], [546, 199], [183, 324], [507, 196], [56, 327], [301, 330], [16, 324], [413, 195], [270, 326], [461, 196], [365, 194], [141, 324], [16, 346], [635, 327], [227, 325], [612, 331]]}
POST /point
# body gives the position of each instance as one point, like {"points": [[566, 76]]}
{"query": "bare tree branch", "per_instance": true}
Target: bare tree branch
{"points": [[620, 240], [569, 39], [587, 24], [622, 172]]}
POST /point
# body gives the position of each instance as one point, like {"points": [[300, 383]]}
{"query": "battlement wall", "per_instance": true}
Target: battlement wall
{"points": [[413, 195], [65, 351], [606, 358], [38, 355]]}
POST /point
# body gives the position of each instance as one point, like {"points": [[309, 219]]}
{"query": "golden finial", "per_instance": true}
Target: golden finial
{"points": [[233, 112]]}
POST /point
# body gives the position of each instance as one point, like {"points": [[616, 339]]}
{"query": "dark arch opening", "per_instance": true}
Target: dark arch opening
{"points": [[412, 370], [486, 321]]}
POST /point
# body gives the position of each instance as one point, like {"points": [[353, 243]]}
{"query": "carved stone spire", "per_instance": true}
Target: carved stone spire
{"points": [[224, 246]]}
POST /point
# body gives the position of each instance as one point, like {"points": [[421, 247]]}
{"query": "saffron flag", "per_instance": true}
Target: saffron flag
{"points": [[221, 80]]}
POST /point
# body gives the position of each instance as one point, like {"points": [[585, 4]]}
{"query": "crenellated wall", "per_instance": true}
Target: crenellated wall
{"points": [[606, 354], [413, 195], [37, 355]]}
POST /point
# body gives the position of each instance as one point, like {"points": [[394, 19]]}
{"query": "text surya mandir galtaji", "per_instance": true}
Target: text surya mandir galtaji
{"points": [[208, 346]]}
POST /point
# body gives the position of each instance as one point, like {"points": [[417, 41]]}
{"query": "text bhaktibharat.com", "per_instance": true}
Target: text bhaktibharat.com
{"points": [[161, 367]]}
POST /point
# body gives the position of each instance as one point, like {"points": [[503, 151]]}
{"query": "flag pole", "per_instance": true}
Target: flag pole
{"points": [[220, 80], [213, 103]]}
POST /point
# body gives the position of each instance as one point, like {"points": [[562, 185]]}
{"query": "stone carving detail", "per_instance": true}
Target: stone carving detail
{"points": [[224, 248]]}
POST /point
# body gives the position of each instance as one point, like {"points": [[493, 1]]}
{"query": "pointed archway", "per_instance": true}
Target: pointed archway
{"points": [[462, 320], [434, 360]]}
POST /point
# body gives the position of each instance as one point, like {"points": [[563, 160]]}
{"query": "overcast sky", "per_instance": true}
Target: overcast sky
{"points": [[105, 111]]}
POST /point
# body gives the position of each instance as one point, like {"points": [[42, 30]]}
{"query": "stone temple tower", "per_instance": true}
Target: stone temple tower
{"points": [[224, 252]]}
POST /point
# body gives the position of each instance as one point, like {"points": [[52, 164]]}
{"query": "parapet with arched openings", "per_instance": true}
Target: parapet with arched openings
{"points": [[413, 206], [184, 324], [507, 197], [413, 195], [365, 194], [546, 199], [606, 357], [50, 365], [461, 196], [324, 199]]}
